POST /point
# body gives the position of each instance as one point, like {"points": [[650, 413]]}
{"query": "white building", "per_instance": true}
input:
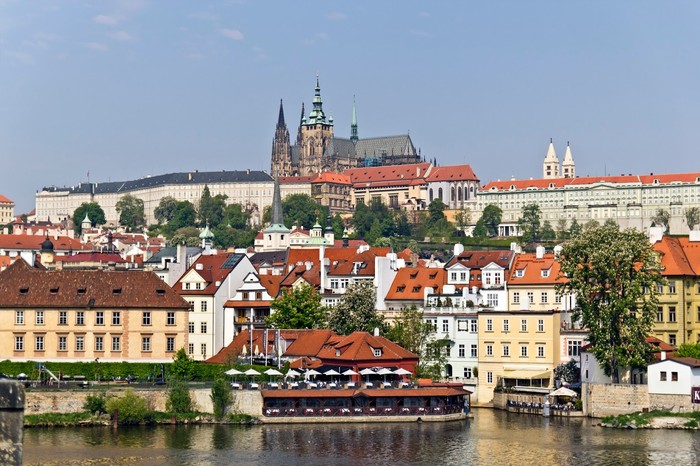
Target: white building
{"points": [[674, 376]]}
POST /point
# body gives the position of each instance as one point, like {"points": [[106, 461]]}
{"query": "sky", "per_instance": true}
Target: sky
{"points": [[122, 89]]}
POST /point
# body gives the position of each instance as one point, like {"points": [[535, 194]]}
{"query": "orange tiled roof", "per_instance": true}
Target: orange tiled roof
{"points": [[410, 283], [5, 200], [330, 177], [365, 258], [692, 177], [532, 268], [452, 173], [211, 272], [388, 174], [295, 179], [360, 346], [33, 243], [271, 283]]}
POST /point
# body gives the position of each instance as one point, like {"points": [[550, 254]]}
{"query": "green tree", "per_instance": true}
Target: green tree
{"points": [[94, 213], [179, 399], [411, 331], [611, 223], [166, 209], [220, 397], [211, 208], [435, 359], [95, 404], [480, 230], [236, 217], [303, 210], [609, 271], [688, 350], [463, 218], [662, 218], [131, 213], [547, 233], [575, 229], [491, 217], [183, 216], [338, 226], [562, 230], [183, 366], [436, 212], [356, 311], [189, 236], [591, 225], [299, 308], [568, 372], [692, 216], [529, 223], [131, 408]]}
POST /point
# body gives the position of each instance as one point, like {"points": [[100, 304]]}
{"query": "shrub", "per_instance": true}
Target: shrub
{"points": [[95, 404], [132, 409], [220, 397], [179, 400]]}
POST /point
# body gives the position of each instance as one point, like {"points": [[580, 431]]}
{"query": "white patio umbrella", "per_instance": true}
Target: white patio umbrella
{"points": [[331, 372], [349, 372], [292, 373], [402, 371], [563, 391], [252, 372], [244, 351], [233, 372], [273, 372], [384, 371], [312, 372], [367, 372]]}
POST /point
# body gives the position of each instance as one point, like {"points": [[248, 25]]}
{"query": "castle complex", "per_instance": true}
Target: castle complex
{"points": [[318, 150]]}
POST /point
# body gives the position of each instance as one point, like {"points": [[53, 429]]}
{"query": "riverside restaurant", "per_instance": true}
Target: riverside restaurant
{"points": [[414, 402]]}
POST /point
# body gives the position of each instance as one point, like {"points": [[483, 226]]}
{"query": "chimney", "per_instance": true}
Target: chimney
{"points": [[459, 249], [308, 265], [376, 331], [663, 355], [539, 252]]}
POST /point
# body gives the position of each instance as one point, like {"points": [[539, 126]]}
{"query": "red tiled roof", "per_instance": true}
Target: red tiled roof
{"points": [[210, 271], [400, 174], [330, 177], [452, 173], [100, 257], [359, 346], [295, 179], [271, 283], [365, 258], [532, 268], [692, 362], [33, 243], [410, 283], [589, 180], [25, 286], [5, 200], [371, 393]]}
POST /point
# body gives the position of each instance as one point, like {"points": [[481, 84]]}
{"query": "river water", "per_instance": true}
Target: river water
{"points": [[491, 437]]}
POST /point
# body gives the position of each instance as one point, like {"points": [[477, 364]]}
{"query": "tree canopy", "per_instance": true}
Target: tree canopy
{"points": [[356, 311], [211, 208], [131, 212], [166, 209], [491, 218], [614, 275], [299, 308], [94, 213], [529, 223], [692, 216]]}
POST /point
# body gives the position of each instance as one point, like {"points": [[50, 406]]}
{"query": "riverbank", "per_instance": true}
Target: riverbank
{"points": [[653, 420], [85, 419]]}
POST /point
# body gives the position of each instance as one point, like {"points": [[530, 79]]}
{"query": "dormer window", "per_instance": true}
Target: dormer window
{"points": [[520, 273], [433, 275], [414, 275], [400, 288], [377, 352], [545, 273], [24, 290], [117, 291], [81, 290], [416, 289], [53, 290], [337, 352], [160, 292]]}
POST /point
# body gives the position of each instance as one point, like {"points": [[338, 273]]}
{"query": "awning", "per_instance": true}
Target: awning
{"points": [[526, 375]]}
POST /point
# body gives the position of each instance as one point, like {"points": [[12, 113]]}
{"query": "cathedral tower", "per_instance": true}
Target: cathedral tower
{"points": [[281, 150], [568, 167], [316, 134], [551, 163]]}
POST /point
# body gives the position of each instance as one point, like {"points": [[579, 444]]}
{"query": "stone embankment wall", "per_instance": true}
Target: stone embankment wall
{"points": [[71, 401], [601, 400], [500, 400], [673, 403]]}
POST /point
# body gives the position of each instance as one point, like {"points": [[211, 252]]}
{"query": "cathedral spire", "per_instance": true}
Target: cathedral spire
{"points": [[550, 167], [277, 214], [353, 125], [317, 115], [568, 167], [280, 118]]}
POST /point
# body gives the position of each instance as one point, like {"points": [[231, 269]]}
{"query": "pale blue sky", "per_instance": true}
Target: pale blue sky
{"points": [[129, 88]]}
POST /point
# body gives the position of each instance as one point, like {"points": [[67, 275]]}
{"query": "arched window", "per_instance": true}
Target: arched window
{"points": [[440, 193], [459, 194], [452, 194], [466, 193], [430, 195]]}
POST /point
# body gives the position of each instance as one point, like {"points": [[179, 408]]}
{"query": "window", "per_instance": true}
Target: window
{"points": [[467, 372], [19, 317], [574, 347], [557, 298], [489, 350], [19, 343], [506, 325], [169, 344], [672, 287], [99, 318], [445, 325], [377, 352], [473, 326], [63, 318], [116, 344], [197, 286], [116, 318], [462, 276], [80, 318], [191, 305], [187, 286], [530, 297], [191, 327], [672, 339], [516, 297], [544, 298], [545, 273], [523, 351], [506, 351], [39, 343], [461, 351], [334, 284], [540, 351], [672, 313], [473, 351], [203, 347], [674, 376], [489, 325], [203, 306], [170, 319], [80, 343], [145, 343], [492, 299], [62, 343], [660, 289], [146, 318], [520, 273], [462, 326], [203, 327], [660, 314], [99, 344], [489, 377], [540, 325], [523, 325], [662, 376], [190, 348], [40, 317], [453, 276]]}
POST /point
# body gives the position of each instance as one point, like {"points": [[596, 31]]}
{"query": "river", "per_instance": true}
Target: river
{"points": [[491, 437]]}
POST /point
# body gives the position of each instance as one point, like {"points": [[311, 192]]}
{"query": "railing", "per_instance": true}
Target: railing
{"points": [[362, 411]]}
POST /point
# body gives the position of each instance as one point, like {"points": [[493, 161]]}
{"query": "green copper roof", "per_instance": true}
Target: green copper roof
{"points": [[316, 115], [206, 234]]}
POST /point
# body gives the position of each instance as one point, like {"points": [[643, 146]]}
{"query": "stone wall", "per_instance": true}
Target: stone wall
{"points": [[500, 400], [600, 400], [71, 401], [673, 403]]}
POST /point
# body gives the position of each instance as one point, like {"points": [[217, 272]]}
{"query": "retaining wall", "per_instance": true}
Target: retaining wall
{"points": [[600, 400]]}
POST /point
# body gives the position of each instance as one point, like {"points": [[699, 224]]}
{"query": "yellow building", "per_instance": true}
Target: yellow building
{"points": [[83, 315], [517, 348], [7, 210], [678, 314]]}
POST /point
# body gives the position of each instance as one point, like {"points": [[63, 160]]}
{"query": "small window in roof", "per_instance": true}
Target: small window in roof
{"points": [[81, 290], [54, 290], [117, 291], [160, 292], [24, 290]]}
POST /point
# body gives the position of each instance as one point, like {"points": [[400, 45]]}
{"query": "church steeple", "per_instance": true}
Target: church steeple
{"points": [[281, 164], [353, 125], [568, 167], [550, 167], [317, 115], [280, 118], [277, 213]]}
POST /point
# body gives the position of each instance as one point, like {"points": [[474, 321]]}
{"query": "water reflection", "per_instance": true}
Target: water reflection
{"points": [[492, 437]]}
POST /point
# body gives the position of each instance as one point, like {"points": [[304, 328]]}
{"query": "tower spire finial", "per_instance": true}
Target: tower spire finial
{"points": [[353, 126]]}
